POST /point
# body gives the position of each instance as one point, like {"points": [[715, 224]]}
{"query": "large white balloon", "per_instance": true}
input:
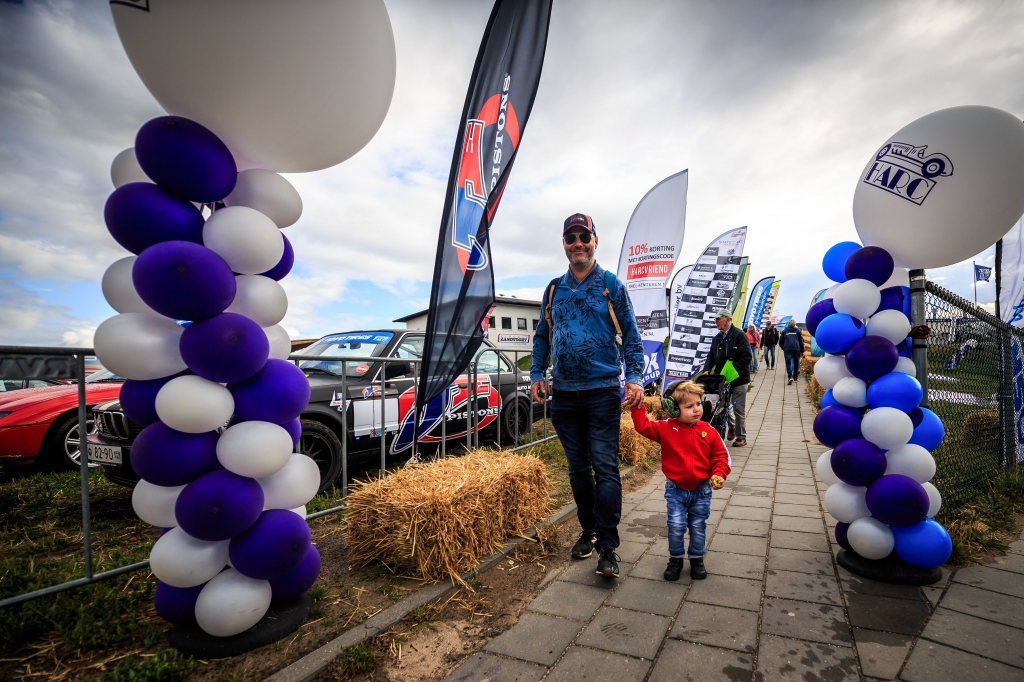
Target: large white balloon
{"points": [[887, 427], [857, 297], [911, 460], [824, 468], [259, 298], [254, 449], [934, 499], [119, 290], [830, 369], [181, 560], [951, 169], [268, 193], [154, 504], [290, 86], [870, 538], [846, 502], [126, 168], [280, 342], [193, 404], [906, 365], [293, 486], [851, 391], [139, 346], [231, 603], [889, 324], [245, 238]]}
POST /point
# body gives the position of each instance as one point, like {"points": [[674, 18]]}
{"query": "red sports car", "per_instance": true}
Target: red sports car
{"points": [[43, 422]]}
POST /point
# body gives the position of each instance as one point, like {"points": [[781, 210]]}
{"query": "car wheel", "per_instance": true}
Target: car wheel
{"points": [[322, 445], [64, 449], [516, 415]]}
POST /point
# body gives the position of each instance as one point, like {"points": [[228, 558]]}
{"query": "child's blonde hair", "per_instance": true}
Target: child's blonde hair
{"points": [[684, 389]]}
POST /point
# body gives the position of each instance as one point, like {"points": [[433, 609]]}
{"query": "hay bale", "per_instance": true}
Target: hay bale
{"points": [[655, 410], [439, 519], [633, 448], [807, 363]]}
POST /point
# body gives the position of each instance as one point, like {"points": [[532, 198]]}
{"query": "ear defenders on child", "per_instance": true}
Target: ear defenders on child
{"points": [[671, 408]]}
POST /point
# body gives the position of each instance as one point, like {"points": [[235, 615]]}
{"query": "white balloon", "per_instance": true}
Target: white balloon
{"points": [[291, 86], [851, 391], [139, 346], [887, 427], [857, 297], [900, 277], [259, 298], [824, 468], [254, 449], [232, 603], [889, 324], [911, 460], [906, 365], [280, 342], [181, 560], [953, 168], [193, 404], [871, 538], [830, 292], [119, 290], [126, 168], [846, 502], [830, 369], [293, 486], [245, 238], [301, 511], [154, 504], [268, 193], [934, 499]]}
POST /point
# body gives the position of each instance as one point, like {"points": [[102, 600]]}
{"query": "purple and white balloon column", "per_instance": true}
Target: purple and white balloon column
{"points": [[880, 466], [218, 398]]}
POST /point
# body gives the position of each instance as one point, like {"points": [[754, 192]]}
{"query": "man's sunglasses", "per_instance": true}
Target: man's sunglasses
{"points": [[570, 238]]}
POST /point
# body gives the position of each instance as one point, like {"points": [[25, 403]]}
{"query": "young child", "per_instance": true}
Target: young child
{"points": [[695, 462]]}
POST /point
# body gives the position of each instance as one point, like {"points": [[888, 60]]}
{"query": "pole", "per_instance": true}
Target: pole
{"points": [[999, 259], [974, 272], [918, 317], [83, 465], [344, 431]]}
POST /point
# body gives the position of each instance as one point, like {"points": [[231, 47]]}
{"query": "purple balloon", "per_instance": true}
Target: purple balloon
{"points": [[186, 159], [272, 547], [138, 398], [219, 505], [872, 263], [897, 500], [294, 429], [183, 281], [835, 424], [277, 393], [299, 579], [224, 348], [858, 462], [818, 312], [140, 214], [840, 533], [167, 457], [176, 604], [895, 298], [284, 266], [871, 357]]}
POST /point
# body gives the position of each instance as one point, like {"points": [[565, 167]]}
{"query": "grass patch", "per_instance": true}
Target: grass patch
{"points": [[166, 665], [355, 660], [989, 522]]}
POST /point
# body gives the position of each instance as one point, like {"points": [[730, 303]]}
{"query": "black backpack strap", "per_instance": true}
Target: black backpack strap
{"points": [[547, 315], [609, 282]]}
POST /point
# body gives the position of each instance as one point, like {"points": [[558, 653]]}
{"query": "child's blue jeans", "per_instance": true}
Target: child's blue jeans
{"points": [[687, 509]]}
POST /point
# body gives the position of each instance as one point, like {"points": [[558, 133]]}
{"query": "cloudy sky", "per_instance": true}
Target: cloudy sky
{"points": [[774, 107]]}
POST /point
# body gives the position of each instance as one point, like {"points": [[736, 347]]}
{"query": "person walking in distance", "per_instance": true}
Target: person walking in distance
{"points": [[755, 341], [769, 339], [730, 345], [587, 330], [792, 343]]}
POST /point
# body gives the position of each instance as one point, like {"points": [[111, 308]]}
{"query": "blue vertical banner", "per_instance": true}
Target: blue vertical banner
{"points": [[757, 302]]}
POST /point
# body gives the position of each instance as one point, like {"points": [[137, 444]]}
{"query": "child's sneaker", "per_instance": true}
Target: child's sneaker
{"points": [[697, 570], [674, 568]]}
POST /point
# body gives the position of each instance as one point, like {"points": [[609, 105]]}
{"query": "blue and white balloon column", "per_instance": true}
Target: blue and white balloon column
{"points": [[880, 466]]}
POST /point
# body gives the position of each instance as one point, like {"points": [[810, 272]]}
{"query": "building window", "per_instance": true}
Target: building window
{"points": [[535, 324], [521, 323], [506, 323], [491, 323]]}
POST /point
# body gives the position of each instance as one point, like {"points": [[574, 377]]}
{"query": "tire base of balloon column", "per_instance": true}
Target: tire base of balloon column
{"points": [[891, 569], [284, 617]]}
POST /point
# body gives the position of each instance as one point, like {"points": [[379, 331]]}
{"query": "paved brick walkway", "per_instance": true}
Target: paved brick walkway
{"points": [[775, 605]]}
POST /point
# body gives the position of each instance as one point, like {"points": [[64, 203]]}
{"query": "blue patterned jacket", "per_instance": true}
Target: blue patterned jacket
{"points": [[585, 354]]}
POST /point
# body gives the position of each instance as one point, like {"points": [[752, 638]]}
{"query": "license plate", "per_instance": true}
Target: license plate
{"points": [[105, 454]]}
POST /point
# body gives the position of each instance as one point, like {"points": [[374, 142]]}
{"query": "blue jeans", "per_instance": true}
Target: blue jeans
{"points": [[587, 423], [753, 359], [687, 509], [769, 351], [792, 363]]}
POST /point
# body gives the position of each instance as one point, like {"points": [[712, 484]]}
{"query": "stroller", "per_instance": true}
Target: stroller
{"points": [[717, 401]]}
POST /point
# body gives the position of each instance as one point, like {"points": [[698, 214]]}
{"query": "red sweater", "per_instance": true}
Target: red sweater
{"points": [[690, 455]]}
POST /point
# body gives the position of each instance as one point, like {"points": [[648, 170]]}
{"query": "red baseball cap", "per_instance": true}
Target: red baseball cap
{"points": [[579, 220]]}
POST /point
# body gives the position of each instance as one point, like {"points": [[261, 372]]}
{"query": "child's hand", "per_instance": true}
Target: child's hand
{"points": [[717, 482]]}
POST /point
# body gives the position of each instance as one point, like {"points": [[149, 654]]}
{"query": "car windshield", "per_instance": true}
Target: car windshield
{"points": [[102, 375], [353, 344]]}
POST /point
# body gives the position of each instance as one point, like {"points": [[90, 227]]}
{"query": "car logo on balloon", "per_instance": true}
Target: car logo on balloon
{"points": [[907, 171]]}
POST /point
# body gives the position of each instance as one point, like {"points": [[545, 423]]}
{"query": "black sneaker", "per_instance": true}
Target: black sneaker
{"points": [[584, 547], [607, 562], [697, 570], [674, 568]]}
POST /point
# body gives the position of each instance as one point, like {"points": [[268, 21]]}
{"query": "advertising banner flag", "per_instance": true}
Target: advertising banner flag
{"points": [[497, 108], [785, 320], [758, 302], [818, 296], [1011, 276], [769, 307], [675, 290], [650, 247], [982, 273], [708, 290]]}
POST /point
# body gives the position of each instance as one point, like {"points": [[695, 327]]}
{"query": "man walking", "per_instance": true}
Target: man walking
{"points": [[769, 339], [792, 343], [732, 344], [588, 329]]}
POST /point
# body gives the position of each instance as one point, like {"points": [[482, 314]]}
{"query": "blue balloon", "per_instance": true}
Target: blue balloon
{"points": [[871, 357], [858, 462], [897, 500], [219, 505], [818, 312], [284, 266], [224, 348], [272, 547], [167, 457], [834, 262], [928, 428], [299, 579], [895, 298], [176, 604], [840, 533], [294, 429], [925, 544], [183, 281], [837, 332], [138, 398], [278, 393], [896, 389], [872, 263], [828, 400], [140, 214], [186, 159], [835, 424]]}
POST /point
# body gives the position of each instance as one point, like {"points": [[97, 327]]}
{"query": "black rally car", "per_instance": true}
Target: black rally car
{"points": [[357, 399]]}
